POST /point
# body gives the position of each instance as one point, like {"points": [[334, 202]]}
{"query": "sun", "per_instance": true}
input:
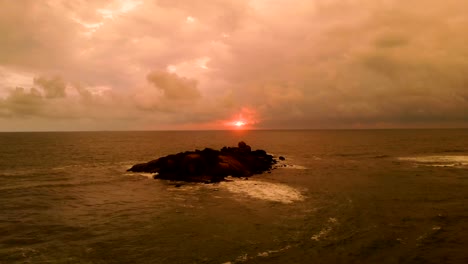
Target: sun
{"points": [[239, 123]]}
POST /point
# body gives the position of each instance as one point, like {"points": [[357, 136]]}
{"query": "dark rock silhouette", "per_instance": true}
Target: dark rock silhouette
{"points": [[209, 165]]}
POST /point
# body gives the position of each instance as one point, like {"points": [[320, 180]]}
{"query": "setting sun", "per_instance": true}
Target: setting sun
{"points": [[239, 123]]}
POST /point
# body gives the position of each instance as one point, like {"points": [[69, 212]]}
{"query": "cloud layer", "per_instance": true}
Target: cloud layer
{"points": [[179, 64]]}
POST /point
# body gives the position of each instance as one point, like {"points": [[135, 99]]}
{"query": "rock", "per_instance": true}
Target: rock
{"points": [[244, 147], [281, 158], [209, 165]]}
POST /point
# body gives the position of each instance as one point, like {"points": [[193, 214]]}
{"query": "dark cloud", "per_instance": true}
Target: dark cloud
{"points": [[391, 41], [52, 87], [21, 103], [173, 86]]}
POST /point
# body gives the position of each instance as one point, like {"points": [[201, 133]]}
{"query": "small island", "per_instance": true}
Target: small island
{"points": [[209, 165]]}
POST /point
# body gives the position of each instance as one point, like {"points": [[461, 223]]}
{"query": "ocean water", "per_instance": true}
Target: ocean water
{"points": [[357, 196]]}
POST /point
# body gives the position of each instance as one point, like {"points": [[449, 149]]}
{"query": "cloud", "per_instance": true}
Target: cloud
{"points": [[53, 87], [173, 86], [311, 64], [21, 103]]}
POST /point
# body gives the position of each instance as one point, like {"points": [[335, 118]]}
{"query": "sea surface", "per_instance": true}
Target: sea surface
{"points": [[341, 196]]}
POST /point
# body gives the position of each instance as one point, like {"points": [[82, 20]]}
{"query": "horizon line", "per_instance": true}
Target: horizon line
{"points": [[236, 130]]}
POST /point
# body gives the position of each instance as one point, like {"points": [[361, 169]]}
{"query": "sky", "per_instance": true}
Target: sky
{"points": [[226, 64]]}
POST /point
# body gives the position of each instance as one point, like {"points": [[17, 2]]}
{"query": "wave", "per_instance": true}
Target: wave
{"points": [[321, 235], [383, 156], [453, 151], [283, 164], [438, 160], [246, 257], [325, 230], [358, 154], [290, 166], [274, 192], [143, 174]]}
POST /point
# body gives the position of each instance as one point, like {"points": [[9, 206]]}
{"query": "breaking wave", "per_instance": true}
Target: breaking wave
{"points": [[275, 192], [438, 160]]}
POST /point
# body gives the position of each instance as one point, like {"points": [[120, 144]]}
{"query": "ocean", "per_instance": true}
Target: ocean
{"points": [[341, 196]]}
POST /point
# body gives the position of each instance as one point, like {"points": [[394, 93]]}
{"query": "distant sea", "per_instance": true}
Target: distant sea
{"points": [[341, 196]]}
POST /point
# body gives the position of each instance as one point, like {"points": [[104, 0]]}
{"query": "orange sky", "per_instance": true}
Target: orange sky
{"points": [[173, 64]]}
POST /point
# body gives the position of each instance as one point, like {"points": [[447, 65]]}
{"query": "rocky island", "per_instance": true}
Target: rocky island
{"points": [[209, 165]]}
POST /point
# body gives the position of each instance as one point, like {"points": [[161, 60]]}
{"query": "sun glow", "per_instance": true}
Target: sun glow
{"points": [[245, 120], [239, 123]]}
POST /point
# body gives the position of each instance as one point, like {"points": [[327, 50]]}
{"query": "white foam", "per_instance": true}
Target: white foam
{"points": [[246, 257], [290, 166], [326, 230], [143, 174], [439, 161], [269, 252], [283, 164], [321, 234], [275, 192]]}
